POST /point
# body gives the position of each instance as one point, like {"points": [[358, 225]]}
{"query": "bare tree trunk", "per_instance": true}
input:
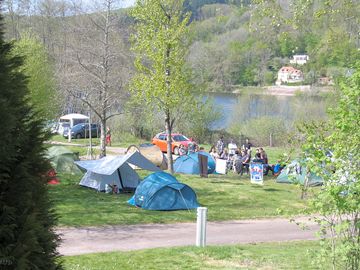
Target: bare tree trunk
{"points": [[103, 137], [168, 132], [99, 83]]}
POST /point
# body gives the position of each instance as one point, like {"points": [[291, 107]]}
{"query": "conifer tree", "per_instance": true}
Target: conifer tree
{"points": [[27, 238]]}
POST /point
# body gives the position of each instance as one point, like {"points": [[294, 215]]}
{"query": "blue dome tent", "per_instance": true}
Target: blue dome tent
{"points": [[161, 191], [189, 164]]}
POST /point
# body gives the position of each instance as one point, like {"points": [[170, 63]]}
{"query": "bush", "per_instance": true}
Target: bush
{"points": [[259, 130]]}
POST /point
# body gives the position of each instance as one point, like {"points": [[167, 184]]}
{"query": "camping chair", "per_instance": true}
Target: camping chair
{"points": [[237, 164], [244, 168]]}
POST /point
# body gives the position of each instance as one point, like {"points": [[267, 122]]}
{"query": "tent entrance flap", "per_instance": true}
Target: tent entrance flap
{"points": [[120, 179]]}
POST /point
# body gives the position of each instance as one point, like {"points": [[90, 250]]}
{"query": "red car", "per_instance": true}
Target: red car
{"points": [[176, 140]]}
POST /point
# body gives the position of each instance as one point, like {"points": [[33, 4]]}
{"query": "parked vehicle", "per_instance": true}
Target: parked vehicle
{"points": [[82, 131], [177, 139], [74, 119], [63, 128]]}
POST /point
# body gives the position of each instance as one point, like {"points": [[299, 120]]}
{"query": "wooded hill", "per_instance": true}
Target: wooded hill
{"points": [[234, 43]]}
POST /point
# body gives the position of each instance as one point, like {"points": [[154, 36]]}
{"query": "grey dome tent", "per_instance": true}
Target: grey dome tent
{"points": [[162, 191], [114, 170], [62, 160]]}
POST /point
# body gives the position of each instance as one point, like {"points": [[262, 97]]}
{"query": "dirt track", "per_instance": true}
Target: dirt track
{"points": [[123, 238]]}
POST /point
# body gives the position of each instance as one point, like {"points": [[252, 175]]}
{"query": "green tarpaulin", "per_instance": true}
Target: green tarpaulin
{"points": [[295, 173]]}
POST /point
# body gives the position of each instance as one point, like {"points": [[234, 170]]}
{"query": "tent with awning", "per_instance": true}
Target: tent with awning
{"points": [[114, 170]]}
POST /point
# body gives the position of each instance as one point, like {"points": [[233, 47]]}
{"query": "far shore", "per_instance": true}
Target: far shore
{"points": [[280, 90]]}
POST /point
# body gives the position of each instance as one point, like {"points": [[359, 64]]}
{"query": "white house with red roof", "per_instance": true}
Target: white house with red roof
{"points": [[289, 74]]}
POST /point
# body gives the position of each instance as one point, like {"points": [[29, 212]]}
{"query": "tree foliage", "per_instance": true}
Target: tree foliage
{"points": [[242, 42], [332, 150], [27, 239], [41, 78], [160, 46]]}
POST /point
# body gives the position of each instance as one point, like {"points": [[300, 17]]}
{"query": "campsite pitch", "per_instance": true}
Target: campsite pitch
{"points": [[227, 198]]}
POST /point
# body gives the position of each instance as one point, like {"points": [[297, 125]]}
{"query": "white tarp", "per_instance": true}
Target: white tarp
{"points": [[114, 170], [74, 116], [220, 166]]}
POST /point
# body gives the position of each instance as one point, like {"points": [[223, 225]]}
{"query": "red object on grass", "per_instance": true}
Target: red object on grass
{"points": [[52, 179]]}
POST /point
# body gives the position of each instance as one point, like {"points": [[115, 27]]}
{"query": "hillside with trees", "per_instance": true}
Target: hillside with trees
{"points": [[235, 45], [246, 45]]}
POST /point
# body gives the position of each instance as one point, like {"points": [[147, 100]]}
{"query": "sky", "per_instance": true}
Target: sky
{"points": [[123, 3], [127, 3]]}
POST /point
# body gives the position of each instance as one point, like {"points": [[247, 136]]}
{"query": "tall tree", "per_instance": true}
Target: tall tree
{"points": [[27, 239], [98, 70], [160, 47], [41, 78], [332, 150]]}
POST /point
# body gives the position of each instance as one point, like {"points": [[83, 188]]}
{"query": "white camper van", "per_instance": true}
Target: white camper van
{"points": [[70, 120]]}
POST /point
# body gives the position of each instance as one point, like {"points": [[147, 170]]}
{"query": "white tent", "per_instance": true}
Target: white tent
{"points": [[114, 170]]}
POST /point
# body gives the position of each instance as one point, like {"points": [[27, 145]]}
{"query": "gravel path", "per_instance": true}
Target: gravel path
{"points": [[84, 240]]}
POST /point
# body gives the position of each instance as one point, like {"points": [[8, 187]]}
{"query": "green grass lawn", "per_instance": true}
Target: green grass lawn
{"points": [[274, 153], [228, 197], [265, 256], [59, 138], [96, 141]]}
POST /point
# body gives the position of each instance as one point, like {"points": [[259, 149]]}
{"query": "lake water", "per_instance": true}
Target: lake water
{"points": [[237, 108]]}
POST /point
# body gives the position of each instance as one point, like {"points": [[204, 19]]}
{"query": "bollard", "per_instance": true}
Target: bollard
{"points": [[201, 227], [69, 135]]}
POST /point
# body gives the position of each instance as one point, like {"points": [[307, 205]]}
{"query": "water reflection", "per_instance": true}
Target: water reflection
{"points": [[239, 108]]}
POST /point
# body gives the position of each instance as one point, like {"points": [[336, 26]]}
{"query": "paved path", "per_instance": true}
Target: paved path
{"points": [[111, 149], [123, 238]]}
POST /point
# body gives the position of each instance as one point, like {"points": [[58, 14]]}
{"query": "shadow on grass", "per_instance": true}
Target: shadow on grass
{"points": [[273, 189], [226, 182]]}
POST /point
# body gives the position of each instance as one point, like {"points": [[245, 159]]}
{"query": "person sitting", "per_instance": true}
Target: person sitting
{"points": [[264, 158], [214, 153], [257, 157], [191, 147], [237, 162], [245, 161], [224, 154], [277, 168], [182, 150]]}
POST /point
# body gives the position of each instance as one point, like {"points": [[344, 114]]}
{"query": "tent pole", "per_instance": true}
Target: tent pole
{"points": [[121, 183]]}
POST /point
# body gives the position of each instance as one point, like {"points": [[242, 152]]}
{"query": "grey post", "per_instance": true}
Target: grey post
{"points": [[201, 226]]}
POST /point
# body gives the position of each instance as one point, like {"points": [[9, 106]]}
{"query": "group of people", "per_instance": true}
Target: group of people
{"points": [[192, 148], [238, 159]]}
